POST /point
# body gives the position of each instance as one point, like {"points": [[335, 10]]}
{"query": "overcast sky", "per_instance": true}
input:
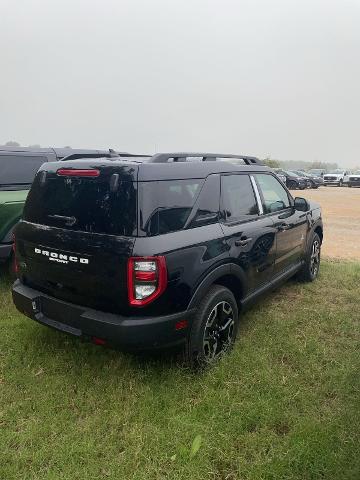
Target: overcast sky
{"points": [[257, 77]]}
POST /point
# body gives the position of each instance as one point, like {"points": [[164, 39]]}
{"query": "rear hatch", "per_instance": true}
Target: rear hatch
{"points": [[78, 231]]}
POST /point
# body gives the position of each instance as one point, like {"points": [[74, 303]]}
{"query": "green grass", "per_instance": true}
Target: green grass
{"points": [[283, 405]]}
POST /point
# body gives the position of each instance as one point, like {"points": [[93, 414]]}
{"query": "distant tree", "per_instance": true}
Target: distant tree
{"points": [[67, 146], [272, 163], [305, 165], [11, 143], [36, 145]]}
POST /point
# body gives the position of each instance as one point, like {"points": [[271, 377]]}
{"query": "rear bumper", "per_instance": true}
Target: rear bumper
{"points": [[134, 333], [5, 251]]}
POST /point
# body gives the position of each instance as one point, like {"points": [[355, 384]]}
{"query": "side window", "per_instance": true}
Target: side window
{"points": [[274, 195], [206, 208], [166, 205], [238, 198]]}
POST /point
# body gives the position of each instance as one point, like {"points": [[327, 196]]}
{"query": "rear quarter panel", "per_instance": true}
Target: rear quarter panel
{"points": [[11, 208], [190, 255]]}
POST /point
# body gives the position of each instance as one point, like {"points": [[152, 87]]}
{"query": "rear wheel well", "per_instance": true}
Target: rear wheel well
{"points": [[234, 285]]}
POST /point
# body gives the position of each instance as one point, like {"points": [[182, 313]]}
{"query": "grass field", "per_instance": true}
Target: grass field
{"points": [[283, 405]]}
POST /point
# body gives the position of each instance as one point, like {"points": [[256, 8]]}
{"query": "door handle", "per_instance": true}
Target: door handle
{"points": [[242, 242], [283, 226]]}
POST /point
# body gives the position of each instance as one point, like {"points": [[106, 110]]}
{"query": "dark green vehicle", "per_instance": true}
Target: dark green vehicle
{"points": [[18, 167]]}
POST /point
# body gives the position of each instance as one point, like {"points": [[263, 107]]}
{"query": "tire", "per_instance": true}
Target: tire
{"points": [[209, 340], [310, 270], [302, 188], [349, 185], [341, 183], [292, 185]]}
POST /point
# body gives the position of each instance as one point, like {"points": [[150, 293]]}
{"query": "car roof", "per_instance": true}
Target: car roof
{"points": [[183, 170], [143, 169], [59, 152]]}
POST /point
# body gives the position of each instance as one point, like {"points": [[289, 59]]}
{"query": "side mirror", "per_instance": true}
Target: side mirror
{"points": [[301, 204]]}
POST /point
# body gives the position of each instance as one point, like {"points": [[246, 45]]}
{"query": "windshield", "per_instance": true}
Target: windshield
{"points": [[337, 170]]}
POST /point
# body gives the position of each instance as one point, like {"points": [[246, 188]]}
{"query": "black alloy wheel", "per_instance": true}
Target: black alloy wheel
{"points": [[311, 267], [218, 331], [315, 257], [214, 327]]}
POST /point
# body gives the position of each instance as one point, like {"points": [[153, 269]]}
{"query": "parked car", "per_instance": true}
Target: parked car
{"points": [[161, 253], [292, 180], [319, 180], [335, 177], [299, 174], [18, 166], [281, 176], [319, 172], [313, 181], [354, 179]]}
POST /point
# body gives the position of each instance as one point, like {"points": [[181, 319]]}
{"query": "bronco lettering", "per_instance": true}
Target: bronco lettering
{"points": [[61, 257]]}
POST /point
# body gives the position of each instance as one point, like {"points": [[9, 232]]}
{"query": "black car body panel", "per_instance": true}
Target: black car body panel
{"points": [[212, 222]]}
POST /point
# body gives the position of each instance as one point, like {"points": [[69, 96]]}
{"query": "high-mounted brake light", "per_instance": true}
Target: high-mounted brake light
{"points": [[77, 172], [147, 279]]}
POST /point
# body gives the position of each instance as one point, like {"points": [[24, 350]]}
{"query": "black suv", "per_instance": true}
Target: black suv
{"points": [[160, 251]]}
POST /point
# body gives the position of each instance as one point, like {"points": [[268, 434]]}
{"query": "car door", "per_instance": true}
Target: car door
{"points": [[290, 224], [249, 235]]}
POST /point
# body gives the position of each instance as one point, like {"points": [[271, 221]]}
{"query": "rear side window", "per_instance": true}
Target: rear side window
{"points": [[238, 198], [83, 204], [19, 169], [165, 206], [274, 195]]}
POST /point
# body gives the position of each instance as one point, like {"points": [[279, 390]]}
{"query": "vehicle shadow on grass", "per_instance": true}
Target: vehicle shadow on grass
{"points": [[4, 275]]}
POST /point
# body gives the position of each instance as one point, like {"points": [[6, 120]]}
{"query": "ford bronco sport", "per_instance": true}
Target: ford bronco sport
{"points": [[160, 251]]}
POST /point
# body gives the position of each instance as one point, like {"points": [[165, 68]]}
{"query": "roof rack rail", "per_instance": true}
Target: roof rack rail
{"points": [[204, 157]]}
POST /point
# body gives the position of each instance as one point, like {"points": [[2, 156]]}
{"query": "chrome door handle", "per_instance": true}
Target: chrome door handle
{"points": [[242, 242]]}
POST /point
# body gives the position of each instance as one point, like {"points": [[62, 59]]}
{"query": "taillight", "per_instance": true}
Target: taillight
{"points": [[147, 279], [16, 266], [77, 172]]}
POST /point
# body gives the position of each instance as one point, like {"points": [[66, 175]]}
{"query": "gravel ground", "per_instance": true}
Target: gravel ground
{"points": [[341, 216]]}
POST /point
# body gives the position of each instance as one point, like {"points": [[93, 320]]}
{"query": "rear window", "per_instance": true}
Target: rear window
{"points": [[166, 205], [19, 169], [83, 204]]}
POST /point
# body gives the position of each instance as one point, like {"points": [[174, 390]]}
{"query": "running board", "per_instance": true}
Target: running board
{"points": [[278, 280]]}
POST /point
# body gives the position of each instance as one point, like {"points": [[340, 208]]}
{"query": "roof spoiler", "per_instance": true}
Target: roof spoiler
{"points": [[110, 154]]}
